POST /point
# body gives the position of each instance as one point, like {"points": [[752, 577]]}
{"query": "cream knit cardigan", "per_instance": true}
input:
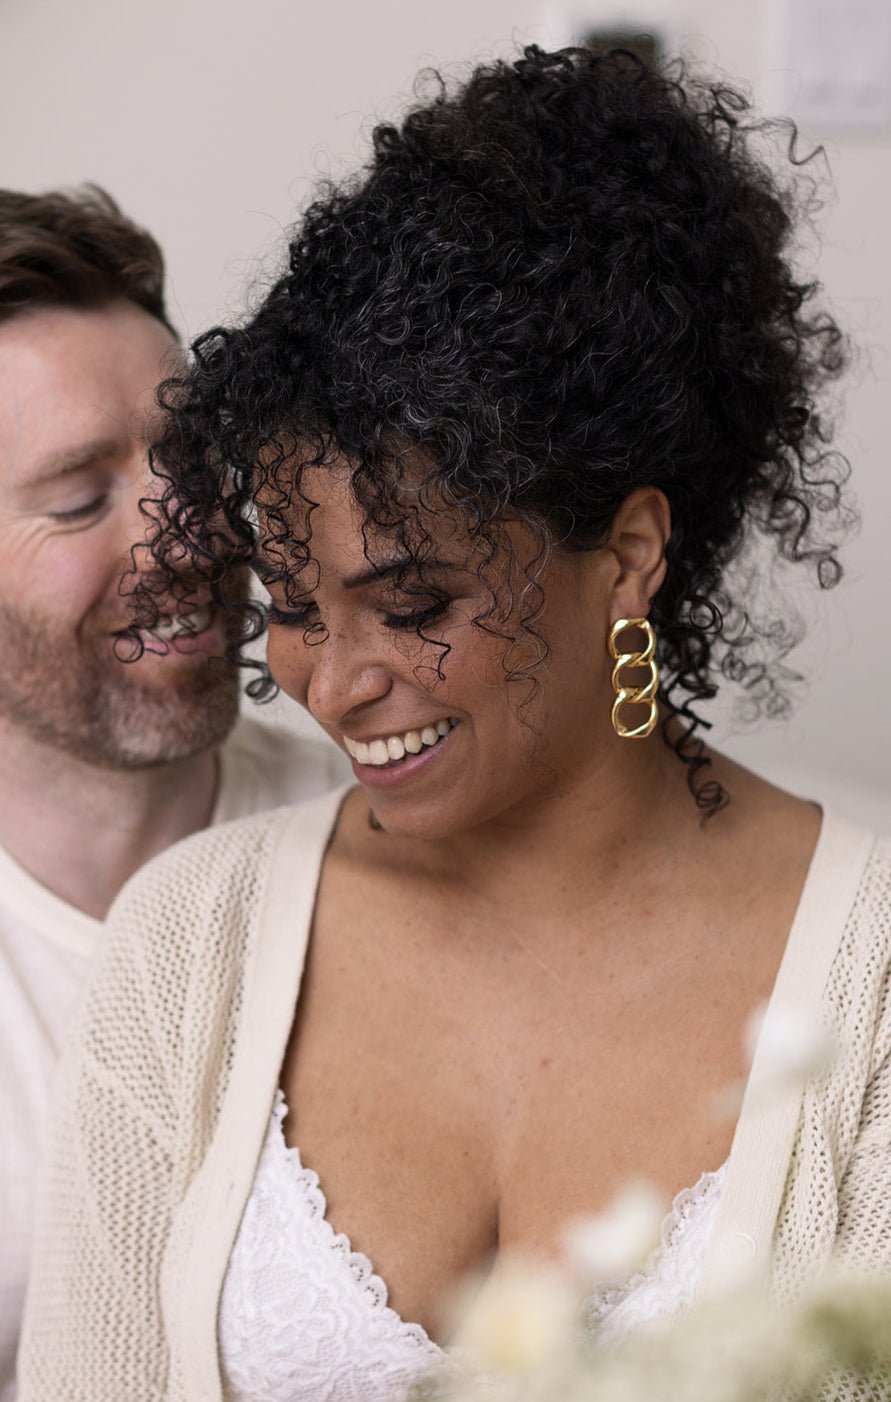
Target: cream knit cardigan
{"points": [[166, 1098]]}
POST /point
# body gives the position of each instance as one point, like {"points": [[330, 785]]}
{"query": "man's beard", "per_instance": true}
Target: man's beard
{"points": [[73, 694]]}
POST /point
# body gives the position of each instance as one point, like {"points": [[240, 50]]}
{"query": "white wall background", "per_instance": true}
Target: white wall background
{"points": [[209, 119]]}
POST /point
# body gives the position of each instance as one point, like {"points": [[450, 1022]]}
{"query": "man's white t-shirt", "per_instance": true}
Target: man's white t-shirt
{"points": [[45, 950]]}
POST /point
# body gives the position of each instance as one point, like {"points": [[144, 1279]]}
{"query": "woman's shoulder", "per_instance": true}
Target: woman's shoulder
{"points": [[185, 928], [857, 882], [857, 859], [877, 876], [867, 939], [220, 873]]}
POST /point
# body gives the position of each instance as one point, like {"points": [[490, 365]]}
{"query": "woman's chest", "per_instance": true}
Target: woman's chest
{"points": [[457, 1108], [304, 1315]]}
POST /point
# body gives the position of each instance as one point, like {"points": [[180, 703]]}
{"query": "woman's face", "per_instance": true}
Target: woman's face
{"points": [[444, 741]]}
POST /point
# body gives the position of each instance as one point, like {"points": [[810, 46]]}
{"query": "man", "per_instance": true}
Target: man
{"points": [[103, 762]]}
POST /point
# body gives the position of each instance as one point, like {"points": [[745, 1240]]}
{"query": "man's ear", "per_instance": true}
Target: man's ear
{"points": [[637, 541]]}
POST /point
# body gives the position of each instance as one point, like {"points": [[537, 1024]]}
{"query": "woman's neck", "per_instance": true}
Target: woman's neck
{"points": [[598, 823]]}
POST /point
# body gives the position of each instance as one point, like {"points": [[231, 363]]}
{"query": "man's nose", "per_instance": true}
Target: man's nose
{"points": [[130, 526], [156, 522]]}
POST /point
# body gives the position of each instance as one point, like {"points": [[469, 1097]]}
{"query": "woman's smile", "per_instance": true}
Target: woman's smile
{"points": [[396, 760], [392, 749]]}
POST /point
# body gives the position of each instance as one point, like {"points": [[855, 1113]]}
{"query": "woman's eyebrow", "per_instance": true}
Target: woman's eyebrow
{"points": [[271, 573], [404, 565], [385, 570]]}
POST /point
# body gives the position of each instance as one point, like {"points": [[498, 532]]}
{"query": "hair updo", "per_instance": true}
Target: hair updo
{"points": [[564, 280]]}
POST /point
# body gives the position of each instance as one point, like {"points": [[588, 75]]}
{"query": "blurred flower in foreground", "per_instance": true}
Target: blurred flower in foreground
{"points": [[609, 1247], [518, 1319], [832, 1345], [791, 1046]]}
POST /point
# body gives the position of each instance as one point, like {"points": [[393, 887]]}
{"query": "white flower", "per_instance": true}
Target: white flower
{"points": [[791, 1046], [739, 1347], [612, 1245], [519, 1319]]}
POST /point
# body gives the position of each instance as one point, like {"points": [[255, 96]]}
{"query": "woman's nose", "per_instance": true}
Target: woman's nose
{"points": [[343, 677]]}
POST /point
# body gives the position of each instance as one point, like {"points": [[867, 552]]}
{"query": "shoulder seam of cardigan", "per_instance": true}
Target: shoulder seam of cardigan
{"points": [[766, 1130]]}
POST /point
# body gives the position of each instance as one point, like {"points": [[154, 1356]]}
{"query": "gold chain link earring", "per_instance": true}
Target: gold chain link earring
{"points": [[634, 695]]}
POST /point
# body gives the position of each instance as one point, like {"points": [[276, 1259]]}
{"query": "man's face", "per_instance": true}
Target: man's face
{"points": [[76, 392]]}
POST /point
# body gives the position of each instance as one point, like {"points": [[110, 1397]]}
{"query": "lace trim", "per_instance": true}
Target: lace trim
{"points": [[686, 1206], [306, 1180]]}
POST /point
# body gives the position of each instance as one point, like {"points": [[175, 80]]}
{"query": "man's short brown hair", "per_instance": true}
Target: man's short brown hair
{"points": [[75, 249]]}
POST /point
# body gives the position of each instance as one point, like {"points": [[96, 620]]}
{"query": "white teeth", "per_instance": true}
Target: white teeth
{"points": [[378, 752], [396, 747]]}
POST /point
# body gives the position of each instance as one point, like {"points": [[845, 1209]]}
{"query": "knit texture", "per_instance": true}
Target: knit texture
{"points": [[165, 1102], [137, 1107], [838, 1190]]}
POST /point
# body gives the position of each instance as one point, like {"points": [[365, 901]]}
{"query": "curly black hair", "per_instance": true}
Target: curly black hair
{"points": [[568, 278]]}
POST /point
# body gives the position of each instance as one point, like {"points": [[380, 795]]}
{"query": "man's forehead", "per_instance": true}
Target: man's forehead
{"points": [[54, 425], [34, 454]]}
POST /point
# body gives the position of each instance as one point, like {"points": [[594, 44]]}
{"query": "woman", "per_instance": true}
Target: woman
{"points": [[527, 388]]}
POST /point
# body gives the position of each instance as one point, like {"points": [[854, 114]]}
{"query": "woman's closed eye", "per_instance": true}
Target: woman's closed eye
{"points": [[417, 617], [306, 614], [300, 616]]}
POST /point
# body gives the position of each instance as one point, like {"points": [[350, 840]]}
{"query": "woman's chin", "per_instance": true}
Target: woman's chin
{"points": [[413, 822]]}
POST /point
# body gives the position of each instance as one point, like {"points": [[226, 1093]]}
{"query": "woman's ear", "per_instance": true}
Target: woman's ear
{"points": [[637, 541]]}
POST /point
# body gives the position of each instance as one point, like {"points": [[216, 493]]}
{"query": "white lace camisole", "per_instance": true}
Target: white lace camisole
{"points": [[304, 1318]]}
